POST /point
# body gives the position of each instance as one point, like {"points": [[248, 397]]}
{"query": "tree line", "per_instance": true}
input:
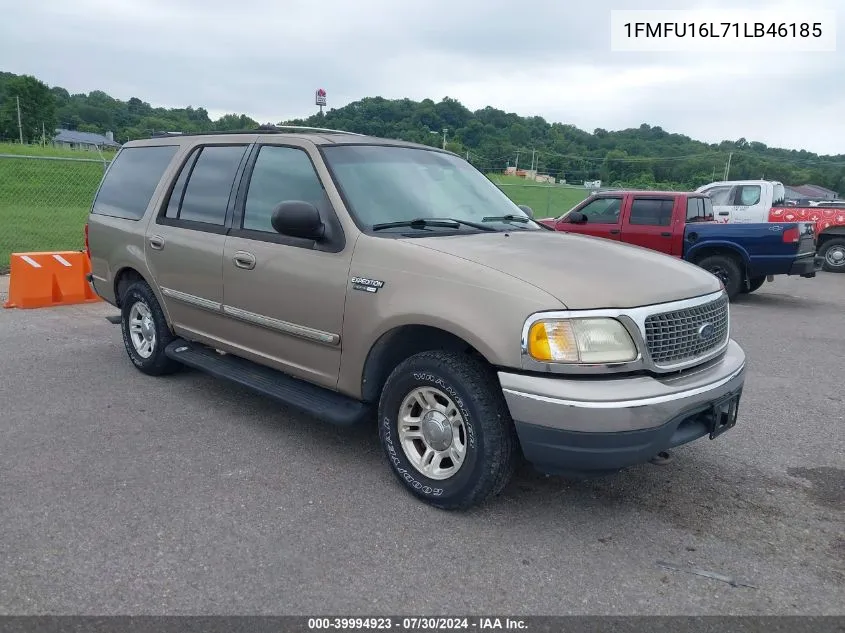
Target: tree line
{"points": [[492, 139]]}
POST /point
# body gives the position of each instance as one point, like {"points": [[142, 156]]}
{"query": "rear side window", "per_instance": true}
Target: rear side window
{"points": [[699, 209], [131, 181], [206, 195], [652, 211], [748, 195]]}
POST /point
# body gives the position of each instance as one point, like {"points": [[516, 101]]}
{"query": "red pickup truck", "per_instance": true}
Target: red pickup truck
{"points": [[682, 224]]}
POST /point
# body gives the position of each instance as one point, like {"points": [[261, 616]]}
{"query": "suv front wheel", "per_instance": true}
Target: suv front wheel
{"points": [[446, 430], [145, 331]]}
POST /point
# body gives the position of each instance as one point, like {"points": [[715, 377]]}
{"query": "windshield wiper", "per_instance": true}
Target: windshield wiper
{"points": [[421, 223], [507, 218]]}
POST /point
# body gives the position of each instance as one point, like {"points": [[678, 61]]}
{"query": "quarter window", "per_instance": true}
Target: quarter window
{"points": [[131, 181]]}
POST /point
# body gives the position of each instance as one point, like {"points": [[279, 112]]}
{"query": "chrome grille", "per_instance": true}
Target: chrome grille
{"points": [[676, 336]]}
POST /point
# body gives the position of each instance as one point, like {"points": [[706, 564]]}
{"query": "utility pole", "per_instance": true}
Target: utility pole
{"points": [[20, 127], [532, 159], [728, 166], [516, 164], [444, 137]]}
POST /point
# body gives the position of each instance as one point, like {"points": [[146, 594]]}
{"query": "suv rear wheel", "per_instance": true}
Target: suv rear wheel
{"points": [[145, 331], [446, 430]]}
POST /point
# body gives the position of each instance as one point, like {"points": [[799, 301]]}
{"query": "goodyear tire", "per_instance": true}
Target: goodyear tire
{"points": [[446, 431], [727, 269], [145, 331]]}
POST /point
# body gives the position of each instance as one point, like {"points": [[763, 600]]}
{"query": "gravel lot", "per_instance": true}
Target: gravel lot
{"points": [[124, 494]]}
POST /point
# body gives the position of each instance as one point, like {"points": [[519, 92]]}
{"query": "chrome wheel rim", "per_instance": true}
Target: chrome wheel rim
{"points": [[432, 433], [142, 331], [835, 256]]}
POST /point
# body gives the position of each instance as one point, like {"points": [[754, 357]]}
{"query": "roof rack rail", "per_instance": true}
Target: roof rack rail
{"points": [[261, 129], [284, 128]]}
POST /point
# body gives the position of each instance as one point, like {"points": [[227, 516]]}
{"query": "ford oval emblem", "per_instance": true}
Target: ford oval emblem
{"points": [[706, 331]]}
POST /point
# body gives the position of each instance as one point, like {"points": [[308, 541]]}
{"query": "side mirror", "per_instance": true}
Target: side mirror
{"points": [[528, 210], [298, 219], [576, 217]]}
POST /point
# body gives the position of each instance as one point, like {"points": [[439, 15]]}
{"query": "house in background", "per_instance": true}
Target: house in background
{"points": [[71, 139], [805, 193]]}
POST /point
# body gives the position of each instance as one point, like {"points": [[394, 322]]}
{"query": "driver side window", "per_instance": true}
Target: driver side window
{"points": [[280, 174], [602, 211], [721, 196]]}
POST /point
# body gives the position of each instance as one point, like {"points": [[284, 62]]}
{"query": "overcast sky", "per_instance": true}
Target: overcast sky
{"points": [[552, 58]]}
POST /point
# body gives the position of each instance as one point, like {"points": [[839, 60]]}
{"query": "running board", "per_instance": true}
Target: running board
{"points": [[114, 319], [319, 402]]}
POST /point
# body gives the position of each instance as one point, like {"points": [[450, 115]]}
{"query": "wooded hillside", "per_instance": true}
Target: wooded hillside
{"points": [[492, 139]]}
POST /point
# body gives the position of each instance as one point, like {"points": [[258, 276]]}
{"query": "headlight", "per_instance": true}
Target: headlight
{"points": [[595, 340]]}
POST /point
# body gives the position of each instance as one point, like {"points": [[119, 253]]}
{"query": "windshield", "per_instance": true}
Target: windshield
{"points": [[384, 185]]}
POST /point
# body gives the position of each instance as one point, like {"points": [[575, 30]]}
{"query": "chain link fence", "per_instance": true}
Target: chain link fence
{"points": [[546, 200], [44, 202]]}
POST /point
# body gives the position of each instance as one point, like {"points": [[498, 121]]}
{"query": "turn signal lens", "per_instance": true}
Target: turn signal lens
{"points": [[599, 340], [552, 341]]}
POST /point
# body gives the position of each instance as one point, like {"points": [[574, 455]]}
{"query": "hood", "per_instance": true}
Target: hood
{"points": [[582, 272]]}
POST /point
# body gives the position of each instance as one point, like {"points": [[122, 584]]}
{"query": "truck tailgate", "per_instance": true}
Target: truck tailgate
{"points": [[806, 238]]}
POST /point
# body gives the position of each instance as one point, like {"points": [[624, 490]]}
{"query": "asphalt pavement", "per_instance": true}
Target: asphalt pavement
{"points": [[125, 494]]}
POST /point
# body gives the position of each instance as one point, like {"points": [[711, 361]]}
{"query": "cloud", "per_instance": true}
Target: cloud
{"points": [[265, 58]]}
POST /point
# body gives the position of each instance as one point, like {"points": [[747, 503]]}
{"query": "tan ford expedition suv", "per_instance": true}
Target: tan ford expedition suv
{"points": [[360, 279]]}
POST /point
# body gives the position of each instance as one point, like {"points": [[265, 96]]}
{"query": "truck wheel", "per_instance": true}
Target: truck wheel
{"points": [[833, 252], [754, 283], [446, 430], [145, 331], [727, 269]]}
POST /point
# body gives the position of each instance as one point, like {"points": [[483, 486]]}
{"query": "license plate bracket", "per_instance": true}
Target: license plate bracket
{"points": [[723, 414]]}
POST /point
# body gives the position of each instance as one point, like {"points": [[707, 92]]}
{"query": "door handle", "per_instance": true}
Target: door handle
{"points": [[724, 213], [244, 260], [156, 242], [666, 234], [614, 231]]}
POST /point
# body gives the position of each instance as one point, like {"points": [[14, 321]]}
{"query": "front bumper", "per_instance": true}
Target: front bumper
{"points": [[607, 423]]}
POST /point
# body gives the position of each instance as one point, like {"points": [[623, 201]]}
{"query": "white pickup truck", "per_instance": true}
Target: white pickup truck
{"points": [[764, 201]]}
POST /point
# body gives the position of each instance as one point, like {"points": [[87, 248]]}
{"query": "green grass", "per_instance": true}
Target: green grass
{"points": [[48, 150], [546, 200], [44, 203]]}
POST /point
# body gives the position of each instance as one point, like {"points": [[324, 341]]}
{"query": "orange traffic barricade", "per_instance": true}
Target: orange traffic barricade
{"points": [[41, 280]]}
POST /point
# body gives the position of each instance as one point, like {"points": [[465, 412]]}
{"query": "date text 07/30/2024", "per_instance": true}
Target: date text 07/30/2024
{"points": [[416, 624]]}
